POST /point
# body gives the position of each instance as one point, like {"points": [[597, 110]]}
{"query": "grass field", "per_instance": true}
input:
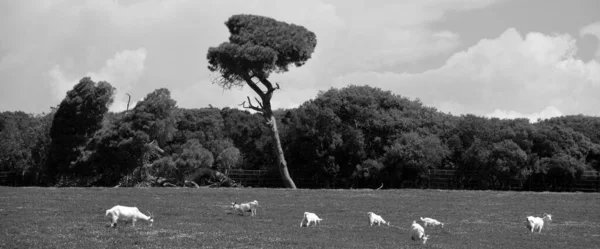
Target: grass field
{"points": [[200, 218]]}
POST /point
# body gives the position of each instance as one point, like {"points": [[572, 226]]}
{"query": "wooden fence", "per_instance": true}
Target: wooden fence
{"points": [[589, 181], [439, 179], [255, 178], [434, 179], [268, 179]]}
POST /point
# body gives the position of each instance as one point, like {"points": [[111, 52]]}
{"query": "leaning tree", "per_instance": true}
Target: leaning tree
{"points": [[257, 47]]}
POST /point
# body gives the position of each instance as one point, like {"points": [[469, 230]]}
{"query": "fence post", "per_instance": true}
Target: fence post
{"points": [[565, 183], [429, 178], [597, 181], [259, 179]]}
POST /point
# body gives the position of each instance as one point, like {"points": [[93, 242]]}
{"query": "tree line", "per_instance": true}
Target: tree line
{"points": [[359, 136]]}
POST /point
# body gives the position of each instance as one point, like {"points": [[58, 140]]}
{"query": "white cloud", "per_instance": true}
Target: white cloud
{"points": [[548, 112], [122, 71], [594, 30], [203, 90], [351, 35], [510, 74], [395, 46], [60, 83], [359, 42]]}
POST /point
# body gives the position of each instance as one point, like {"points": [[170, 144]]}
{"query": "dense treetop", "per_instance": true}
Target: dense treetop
{"points": [[259, 46]]}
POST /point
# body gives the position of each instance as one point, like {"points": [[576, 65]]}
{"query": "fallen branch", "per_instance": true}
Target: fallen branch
{"points": [[192, 183], [168, 184]]}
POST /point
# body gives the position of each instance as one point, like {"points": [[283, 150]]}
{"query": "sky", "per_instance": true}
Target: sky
{"points": [[494, 58]]}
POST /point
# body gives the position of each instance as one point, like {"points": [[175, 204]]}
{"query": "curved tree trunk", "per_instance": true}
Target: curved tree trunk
{"points": [[282, 164], [265, 109]]}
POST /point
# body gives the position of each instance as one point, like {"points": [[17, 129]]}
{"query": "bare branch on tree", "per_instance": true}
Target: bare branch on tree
{"points": [[250, 106], [259, 103], [270, 88], [128, 100], [224, 83], [273, 88]]}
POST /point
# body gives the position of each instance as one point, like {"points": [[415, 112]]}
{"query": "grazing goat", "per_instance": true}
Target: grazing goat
{"points": [[373, 218], [310, 217], [417, 232], [246, 207], [536, 223], [431, 222], [127, 214]]}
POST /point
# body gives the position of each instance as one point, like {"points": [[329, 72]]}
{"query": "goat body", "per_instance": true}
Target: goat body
{"points": [[431, 222], [310, 217], [126, 214], [246, 207], [374, 218], [417, 232], [536, 223]]}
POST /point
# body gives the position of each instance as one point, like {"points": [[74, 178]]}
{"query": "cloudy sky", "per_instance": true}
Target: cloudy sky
{"points": [[501, 58]]}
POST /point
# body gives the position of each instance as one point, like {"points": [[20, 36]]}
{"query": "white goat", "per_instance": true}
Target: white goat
{"points": [[417, 232], [373, 218], [310, 217], [127, 214], [536, 223], [431, 222], [246, 207]]}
